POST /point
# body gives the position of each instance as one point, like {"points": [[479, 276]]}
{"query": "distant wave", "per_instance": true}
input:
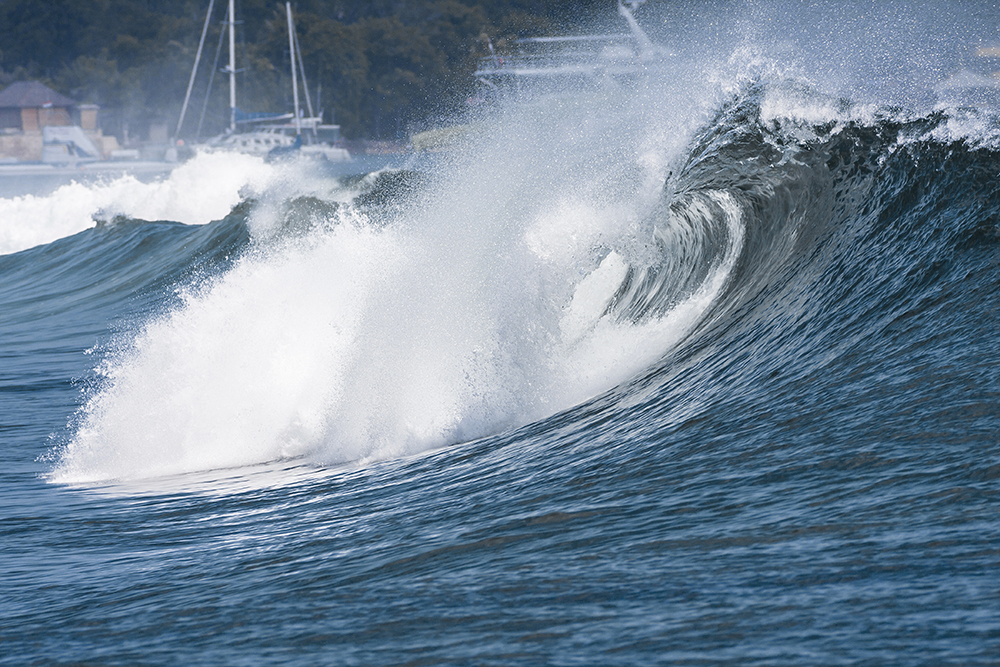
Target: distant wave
{"points": [[199, 191]]}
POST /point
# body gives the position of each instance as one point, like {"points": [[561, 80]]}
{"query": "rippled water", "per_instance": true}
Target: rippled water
{"points": [[713, 384]]}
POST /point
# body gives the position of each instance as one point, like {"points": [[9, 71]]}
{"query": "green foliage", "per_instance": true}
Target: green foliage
{"points": [[382, 65]]}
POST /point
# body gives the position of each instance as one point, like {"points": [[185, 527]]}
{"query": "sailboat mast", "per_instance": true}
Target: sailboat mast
{"points": [[645, 45], [295, 78], [232, 65], [305, 84], [194, 70]]}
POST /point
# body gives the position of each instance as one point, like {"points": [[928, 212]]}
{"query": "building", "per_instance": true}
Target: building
{"points": [[27, 108]]}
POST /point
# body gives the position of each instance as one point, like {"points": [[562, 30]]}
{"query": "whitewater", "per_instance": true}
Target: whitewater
{"points": [[692, 368]]}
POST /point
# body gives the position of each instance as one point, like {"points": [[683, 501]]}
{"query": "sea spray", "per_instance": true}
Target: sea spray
{"points": [[478, 304]]}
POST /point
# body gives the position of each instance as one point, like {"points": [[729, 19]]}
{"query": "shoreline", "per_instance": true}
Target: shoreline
{"points": [[44, 169]]}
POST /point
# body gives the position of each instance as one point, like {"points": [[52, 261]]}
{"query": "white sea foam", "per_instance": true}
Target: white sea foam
{"points": [[197, 192], [480, 307]]}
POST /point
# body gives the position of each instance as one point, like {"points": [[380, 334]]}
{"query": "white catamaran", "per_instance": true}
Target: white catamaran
{"points": [[270, 134], [543, 64]]}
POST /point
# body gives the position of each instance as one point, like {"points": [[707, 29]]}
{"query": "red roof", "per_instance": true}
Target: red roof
{"points": [[31, 94]]}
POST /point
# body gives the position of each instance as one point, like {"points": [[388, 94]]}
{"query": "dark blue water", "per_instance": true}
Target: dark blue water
{"points": [[365, 422]]}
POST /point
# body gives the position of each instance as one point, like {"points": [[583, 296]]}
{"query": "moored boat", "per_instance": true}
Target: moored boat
{"points": [[262, 133]]}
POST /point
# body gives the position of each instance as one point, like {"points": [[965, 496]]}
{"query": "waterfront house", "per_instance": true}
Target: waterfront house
{"points": [[27, 108]]}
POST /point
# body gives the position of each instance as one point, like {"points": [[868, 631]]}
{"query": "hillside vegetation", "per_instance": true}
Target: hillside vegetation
{"points": [[382, 67]]}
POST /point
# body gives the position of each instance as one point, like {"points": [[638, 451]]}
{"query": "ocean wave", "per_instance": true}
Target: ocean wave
{"points": [[400, 313]]}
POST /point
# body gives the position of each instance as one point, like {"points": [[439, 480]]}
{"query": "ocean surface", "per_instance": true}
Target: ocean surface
{"points": [[699, 370]]}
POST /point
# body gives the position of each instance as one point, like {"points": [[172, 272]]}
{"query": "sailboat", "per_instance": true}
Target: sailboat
{"points": [[268, 134]]}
